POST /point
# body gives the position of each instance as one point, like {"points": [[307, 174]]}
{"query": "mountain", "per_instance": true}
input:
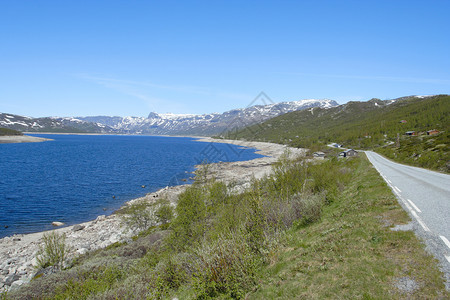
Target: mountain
{"points": [[353, 122], [52, 124], [207, 124], [374, 124]]}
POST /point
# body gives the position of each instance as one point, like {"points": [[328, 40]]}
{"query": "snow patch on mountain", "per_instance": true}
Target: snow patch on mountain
{"points": [[206, 124]]}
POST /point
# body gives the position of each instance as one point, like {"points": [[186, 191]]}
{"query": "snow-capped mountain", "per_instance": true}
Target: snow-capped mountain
{"points": [[51, 124], [207, 124], [163, 124]]}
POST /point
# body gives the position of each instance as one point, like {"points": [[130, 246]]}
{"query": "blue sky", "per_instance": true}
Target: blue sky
{"points": [[79, 58]]}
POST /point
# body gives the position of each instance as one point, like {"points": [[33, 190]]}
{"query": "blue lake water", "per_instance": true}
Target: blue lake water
{"points": [[76, 178]]}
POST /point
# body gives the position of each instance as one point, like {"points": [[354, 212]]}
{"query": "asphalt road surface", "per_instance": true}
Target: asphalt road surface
{"points": [[426, 196]]}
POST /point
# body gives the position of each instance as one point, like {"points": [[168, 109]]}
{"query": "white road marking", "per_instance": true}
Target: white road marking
{"points": [[419, 219], [448, 258], [413, 205], [397, 191], [445, 240]]}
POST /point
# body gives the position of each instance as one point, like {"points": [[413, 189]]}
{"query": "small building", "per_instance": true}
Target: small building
{"points": [[319, 154], [411, 133], [433, 131], [348, 153]]}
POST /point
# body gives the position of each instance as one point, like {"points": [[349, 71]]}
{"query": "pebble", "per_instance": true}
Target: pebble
{"points": [[82, 251], [10, 279]]}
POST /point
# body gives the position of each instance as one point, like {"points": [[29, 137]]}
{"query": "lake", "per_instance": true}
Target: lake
{"points": [[76, 178]]}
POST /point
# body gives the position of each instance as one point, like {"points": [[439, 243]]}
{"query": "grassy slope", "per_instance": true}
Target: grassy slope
{"points": [[352, 253], [363, 125], [347, 251]]}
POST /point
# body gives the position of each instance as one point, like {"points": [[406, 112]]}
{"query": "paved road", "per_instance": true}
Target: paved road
{"points": [[426, 196]]}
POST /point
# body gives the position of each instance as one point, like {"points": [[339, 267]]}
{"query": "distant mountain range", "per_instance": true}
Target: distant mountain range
{"points": [[162, 124], [51, 124]]}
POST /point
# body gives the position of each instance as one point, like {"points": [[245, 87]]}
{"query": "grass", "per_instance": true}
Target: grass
{"points": [[431, 152], [352, 253]]}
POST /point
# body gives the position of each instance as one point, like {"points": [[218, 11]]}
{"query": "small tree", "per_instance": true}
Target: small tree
{"points": [[53, 252], [164, 213], [139, 215]]}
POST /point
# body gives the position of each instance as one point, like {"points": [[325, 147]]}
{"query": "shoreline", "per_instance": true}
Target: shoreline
{"points": [[14, 139], [18, 252]]}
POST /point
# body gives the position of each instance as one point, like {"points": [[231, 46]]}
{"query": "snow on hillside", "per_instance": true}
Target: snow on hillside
{"points": [[206, 124]]}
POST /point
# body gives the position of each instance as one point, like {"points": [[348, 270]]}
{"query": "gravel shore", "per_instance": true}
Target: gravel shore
{"points": [[10, 139], [18, 252]]}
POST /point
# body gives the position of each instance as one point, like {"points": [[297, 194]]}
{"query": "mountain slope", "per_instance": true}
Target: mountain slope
{"points": [[207, 124], [364, 125], [51, 124], [6, 131]]}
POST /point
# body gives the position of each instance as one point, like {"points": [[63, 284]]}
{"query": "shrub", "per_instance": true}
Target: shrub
{"points": [[189, 225], [164, 213], [138, 215], [307, 207], [170, 273], [53, 252], [227, 267]]}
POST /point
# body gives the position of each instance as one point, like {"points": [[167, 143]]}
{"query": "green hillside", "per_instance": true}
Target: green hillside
{"points": [[374, 124], [6, 131]]}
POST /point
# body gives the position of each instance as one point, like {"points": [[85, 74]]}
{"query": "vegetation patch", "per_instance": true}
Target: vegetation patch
{"points": [[352, 253], [6, 131], [311, 230]]}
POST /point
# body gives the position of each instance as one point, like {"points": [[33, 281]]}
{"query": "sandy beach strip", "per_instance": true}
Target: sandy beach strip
{"points": [[18, 252], [11, 139]]}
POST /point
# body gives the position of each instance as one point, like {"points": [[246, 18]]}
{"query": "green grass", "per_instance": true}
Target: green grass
{"points": [[431, 152], [352, 253]]}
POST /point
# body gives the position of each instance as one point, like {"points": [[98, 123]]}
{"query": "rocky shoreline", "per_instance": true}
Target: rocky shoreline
{"points": [[11, 139], [18, 252]]}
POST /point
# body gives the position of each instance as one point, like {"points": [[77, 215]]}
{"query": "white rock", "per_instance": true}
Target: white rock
{"points": [[82, 251], [57, 223], [16, 284], [115, 238], [100, 218]]}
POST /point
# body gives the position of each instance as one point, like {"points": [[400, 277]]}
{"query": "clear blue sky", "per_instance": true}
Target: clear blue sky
{"points": [[71, 58]]}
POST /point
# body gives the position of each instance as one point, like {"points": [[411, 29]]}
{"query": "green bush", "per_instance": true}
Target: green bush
{"points": [[169, 274], [307, 207], [138, 215], [53, 252], [164, 213], [189, 225], [227, 267]]}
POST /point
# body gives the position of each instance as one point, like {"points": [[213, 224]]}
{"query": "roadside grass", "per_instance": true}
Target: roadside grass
{"points": [[352, 253]]}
